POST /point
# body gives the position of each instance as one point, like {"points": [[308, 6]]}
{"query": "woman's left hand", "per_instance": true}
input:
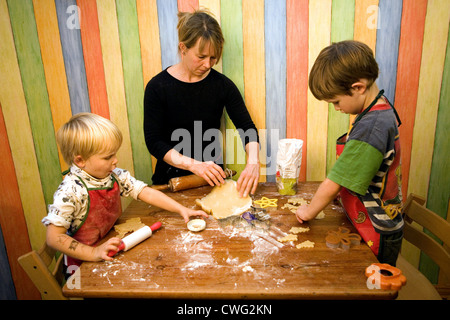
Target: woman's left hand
{"points": [[248, 180]]}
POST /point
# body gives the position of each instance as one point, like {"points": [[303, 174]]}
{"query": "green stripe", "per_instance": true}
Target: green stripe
{"points": [[35, 89], [342, 25], [134, 86], [233, 68], [439, 185]]}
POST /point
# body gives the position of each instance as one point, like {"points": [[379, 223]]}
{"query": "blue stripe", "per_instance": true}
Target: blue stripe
{"points": [[167, 18], [388, 39], [275, 50], [69, 30]]}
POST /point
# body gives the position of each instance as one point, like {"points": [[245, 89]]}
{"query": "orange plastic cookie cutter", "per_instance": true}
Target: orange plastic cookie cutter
{"points": [[384, 276], [342, 238]]}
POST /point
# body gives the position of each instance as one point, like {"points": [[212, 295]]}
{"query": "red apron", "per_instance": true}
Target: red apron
{"points": [[104, 209]]}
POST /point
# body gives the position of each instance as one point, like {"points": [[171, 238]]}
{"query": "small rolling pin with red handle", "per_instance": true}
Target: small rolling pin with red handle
{"points": [[136, 237]]}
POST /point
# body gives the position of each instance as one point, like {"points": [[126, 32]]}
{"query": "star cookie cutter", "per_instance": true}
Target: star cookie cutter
{"points": [[342, 238], [384, 276], [265, 202]]}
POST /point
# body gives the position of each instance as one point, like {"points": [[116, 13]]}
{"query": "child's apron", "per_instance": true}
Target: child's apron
{"points": [[356, 211], [104, 208]]}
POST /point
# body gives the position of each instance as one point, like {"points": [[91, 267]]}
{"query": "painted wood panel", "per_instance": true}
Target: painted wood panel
{"points": [[134, 85], [342, 26], [297, 21], [14, 107], [431, 72], [114, 81], [187, 5], [275, 49], [92, 53], [12, 221], [410, 56], [319, 38], [233, 66], [35, 89], [53, 62], [388, 35], [69, 30], [167, 18], [254, 69]]}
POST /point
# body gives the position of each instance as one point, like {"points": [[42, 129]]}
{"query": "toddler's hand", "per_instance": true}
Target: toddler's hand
{"points": [[186, 213], [101, 252]]}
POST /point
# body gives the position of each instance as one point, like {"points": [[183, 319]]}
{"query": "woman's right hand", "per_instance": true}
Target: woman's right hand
{"points": [[211, 172]]}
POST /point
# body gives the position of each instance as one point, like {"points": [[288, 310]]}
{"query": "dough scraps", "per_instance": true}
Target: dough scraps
{"points": [[296, 230], [224, 201], [293, 203], [289, 237], [130, 225], [305, 244]]}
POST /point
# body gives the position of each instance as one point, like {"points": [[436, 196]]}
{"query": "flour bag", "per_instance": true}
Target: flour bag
{"points": [[289, 159]]}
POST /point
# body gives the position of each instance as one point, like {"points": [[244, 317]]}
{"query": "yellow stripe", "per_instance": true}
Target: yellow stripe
{"points": [[53, 61], [150, 46], [319, 38], [112, 60], [17, 123], [433, 57], [254, 68]]}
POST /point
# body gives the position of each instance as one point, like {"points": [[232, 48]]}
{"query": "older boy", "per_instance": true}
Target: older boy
{"points": [[367, 172]]}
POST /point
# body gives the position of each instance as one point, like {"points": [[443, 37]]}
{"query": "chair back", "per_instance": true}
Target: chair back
{"points": [[415, 211], [37, 265]]}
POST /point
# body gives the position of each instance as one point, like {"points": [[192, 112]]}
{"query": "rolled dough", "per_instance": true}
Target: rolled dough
{"points": [[224, 201], [130, 225]]}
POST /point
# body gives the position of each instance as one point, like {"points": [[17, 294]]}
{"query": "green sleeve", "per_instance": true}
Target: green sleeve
{"points": [[356, 166]]}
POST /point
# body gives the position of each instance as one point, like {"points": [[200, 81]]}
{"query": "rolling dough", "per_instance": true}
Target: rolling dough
{"points": [[224, 201]]}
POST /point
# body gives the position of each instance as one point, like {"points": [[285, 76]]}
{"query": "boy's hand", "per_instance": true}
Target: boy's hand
{"points": [[101, 252], [303, 214], [186, 213]]}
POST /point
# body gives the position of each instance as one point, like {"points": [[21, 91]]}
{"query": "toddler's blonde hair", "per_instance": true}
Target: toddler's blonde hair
{"points": [[86, 134]]}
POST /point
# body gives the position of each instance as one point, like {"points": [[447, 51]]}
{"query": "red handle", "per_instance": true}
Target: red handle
{"points": [[155, 226], [121, 247]]}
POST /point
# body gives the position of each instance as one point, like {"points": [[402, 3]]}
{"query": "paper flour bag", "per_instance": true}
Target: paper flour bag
{"points": [[289, 158]]}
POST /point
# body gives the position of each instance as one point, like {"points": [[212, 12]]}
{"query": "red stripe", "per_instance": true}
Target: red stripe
{"points": [[12, 219], [409, 60], [297, 24], [95, 74]]}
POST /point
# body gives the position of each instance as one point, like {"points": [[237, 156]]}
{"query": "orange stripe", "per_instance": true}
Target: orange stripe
{"points": [[409, 59], [297, 16], [187, 5], [92, 50]]}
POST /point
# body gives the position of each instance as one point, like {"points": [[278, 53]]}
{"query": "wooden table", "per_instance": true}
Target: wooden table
{"points": [[226, 262]]}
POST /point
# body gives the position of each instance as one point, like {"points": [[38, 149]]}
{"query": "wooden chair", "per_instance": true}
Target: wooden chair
{"points": [[36, 264], [418, 286]]}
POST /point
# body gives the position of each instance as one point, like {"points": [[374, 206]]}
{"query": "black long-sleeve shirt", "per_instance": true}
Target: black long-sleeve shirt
{"points": [[186, 117]]}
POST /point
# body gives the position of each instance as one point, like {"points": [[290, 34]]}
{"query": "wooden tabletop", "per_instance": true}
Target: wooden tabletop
{"points": [[232, 260]]}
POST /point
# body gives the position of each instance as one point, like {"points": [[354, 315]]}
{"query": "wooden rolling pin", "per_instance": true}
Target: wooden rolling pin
{"points": [[188, 182]]}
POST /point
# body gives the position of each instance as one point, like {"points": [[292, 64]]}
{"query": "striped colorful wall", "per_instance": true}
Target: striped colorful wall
{"points": [[61, 57]]}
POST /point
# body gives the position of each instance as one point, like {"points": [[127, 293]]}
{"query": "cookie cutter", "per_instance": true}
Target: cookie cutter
{"points": [[265, 202], [342, 238], [384, 276]]}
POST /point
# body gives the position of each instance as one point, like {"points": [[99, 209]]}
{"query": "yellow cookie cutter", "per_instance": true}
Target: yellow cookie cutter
{"points": [[265, 202]]}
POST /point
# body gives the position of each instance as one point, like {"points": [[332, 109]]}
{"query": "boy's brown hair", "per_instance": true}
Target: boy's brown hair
{"points": [[340, 65]]}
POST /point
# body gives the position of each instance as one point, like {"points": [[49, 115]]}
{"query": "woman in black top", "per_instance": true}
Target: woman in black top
{"points": [[183, 106]]}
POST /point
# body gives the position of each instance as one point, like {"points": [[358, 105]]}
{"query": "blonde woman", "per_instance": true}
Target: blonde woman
{"points": [[183, 106]]}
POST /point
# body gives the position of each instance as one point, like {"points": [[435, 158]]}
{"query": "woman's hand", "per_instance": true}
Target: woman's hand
{"points": [[248, 180], [211, 172]]}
